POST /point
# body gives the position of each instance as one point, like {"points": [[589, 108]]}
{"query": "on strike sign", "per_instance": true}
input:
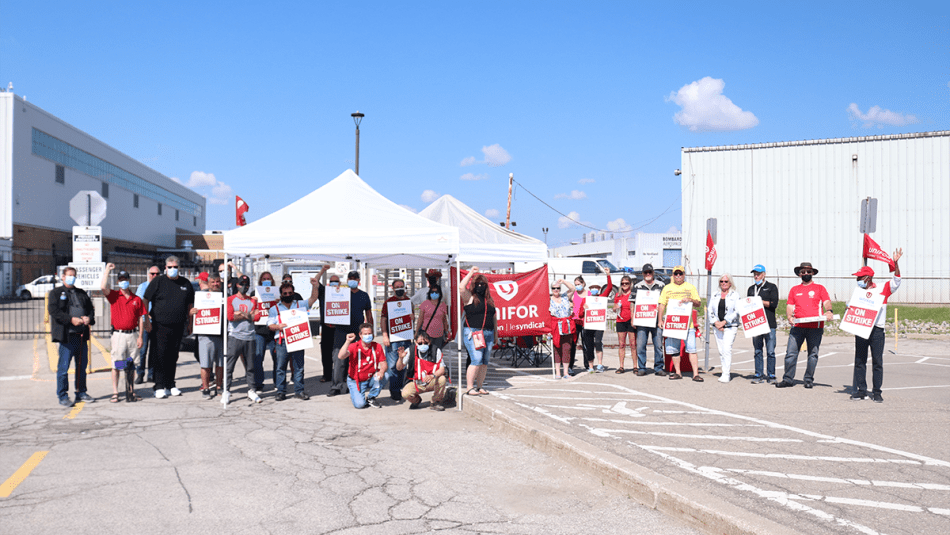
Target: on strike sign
{"points": [[595, 315], [645, 309], [267, 296], [337, 306], [676, 323], [400, 320], [862, 312], [752, 314], [208, 318], [521, 301], [297, 333]]}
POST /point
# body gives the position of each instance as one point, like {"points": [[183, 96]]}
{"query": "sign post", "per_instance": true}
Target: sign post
{"points": [[711, 233], [868, 222]]}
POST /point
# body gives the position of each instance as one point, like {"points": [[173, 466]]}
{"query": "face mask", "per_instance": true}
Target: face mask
{"points": [[266, 283], [759, 283], [353, 284], [334, 283], [287, 299], [70, 280], [594, 292], [579, 287], [480, 289], [400, 291], [243, 288], [806, 278], [434, 297], [423, 348], [172, 272], [862, 284], [367, 338], [124, 285]]}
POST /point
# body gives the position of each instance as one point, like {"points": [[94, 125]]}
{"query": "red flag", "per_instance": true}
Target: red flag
{"points": [[711, 255], [873, 251], [240, 207]]}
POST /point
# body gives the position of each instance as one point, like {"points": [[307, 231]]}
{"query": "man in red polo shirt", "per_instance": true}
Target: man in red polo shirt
{"points": [[128, 323]]}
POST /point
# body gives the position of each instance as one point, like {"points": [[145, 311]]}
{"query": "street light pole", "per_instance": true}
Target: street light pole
{"points": [[357, 118], [545, 231]]}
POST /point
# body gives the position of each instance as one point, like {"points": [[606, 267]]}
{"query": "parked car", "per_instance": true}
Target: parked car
{"points": [[569, 268], [38, 288]]}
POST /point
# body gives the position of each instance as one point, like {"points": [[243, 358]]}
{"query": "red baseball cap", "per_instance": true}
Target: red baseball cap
{"points": [[864, 272], [203, 276]]}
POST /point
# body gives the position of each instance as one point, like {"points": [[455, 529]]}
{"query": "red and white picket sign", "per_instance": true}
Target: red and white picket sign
{"points": [[873, 251], [521, 301], [208, 318], [677, 322], [645, 308], [711, 255], [752, 314], [400, 320], [297, 333], [337, 305], [861, 315], [595, 316]]}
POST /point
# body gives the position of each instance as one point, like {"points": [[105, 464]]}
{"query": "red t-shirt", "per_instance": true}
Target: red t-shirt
{"points": [[807, 300], [125, 311], [622, 302], [365, 362]]}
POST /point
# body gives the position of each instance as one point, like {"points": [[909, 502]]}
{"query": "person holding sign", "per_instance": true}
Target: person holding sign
{"points": [[563, 330], [721, 312], [595, 322], [622, 304], [478, 335], [585, 336], [875, 342], [207, 315], [327, 333], [128, 324], [395, 322], [424, 365], [266, 297], [360, 312], [242, 314], [682, 293], [806, 300], [768, 292], [366, 367], [646, 319], [277, 326]]}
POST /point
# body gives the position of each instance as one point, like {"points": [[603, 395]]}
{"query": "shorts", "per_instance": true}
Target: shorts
{"points": [[479, 357], [624, 326], [210, 350], [673, 344], [124, 348]]}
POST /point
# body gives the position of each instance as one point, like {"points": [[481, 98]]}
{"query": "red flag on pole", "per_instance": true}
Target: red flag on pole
{"points": [[240, 207], [711, 255], [873, 251]]}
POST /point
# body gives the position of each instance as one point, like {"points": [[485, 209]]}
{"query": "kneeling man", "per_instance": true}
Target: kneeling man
{"points": [[426, 371], [367, 367]]}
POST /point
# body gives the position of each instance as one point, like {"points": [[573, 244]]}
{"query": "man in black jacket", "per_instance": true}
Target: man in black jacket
{"points": [[769, 294], [71, 313]]}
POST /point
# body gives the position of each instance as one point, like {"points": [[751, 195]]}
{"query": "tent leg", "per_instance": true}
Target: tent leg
{"points": [[224, 318], [458, 335]]}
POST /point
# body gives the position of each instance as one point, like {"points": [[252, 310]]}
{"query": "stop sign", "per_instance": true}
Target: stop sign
{"points": [[87, 208]]}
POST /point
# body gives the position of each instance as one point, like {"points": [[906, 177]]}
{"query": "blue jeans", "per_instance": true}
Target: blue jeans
{"points": [[282, 358], [768, 340], [363, 391], [796, 336], [395, 377], [262, 348], [657, 334], [479, 357], [73, 347]]}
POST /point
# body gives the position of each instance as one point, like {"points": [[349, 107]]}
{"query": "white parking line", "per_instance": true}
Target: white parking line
{"points": [[790, 457], [607, 432], [915, 387], [15, 377], [802, 477], [687, 424]]}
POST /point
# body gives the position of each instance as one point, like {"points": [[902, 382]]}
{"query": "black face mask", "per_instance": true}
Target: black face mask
{"points": [[287, 299], [399, 291], [480, 289], [806, 278], [243, 288]]}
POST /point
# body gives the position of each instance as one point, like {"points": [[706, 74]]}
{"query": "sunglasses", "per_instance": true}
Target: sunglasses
{"points": [[806, 272], [553, 288], [678, 273], [723, 282], [153, 274], [625, 284]]}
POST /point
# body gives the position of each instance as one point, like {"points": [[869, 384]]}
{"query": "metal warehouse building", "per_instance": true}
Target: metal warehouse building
{"points": [[779, 204]]}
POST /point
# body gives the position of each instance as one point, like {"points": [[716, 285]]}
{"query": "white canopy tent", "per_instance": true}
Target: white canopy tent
{"points": [[347, 220], [481, 242]]}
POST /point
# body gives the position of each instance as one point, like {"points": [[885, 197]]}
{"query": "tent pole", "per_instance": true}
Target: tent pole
{"points": [[458, 334], [224, 319]]}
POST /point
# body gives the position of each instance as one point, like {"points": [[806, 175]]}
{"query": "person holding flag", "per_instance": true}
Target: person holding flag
{"points": [[424, 366], [859, 386], [288, 302], [806, 300]]}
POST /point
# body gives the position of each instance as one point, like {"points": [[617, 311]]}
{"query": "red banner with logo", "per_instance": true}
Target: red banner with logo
{"points": [[711, 255], [873, 251], [521, 302]]}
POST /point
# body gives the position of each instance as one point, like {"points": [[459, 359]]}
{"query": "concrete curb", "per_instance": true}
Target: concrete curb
{"points": [[681, 502]]}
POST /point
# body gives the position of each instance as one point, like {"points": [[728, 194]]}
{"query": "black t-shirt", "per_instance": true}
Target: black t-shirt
{"points": [[768, 292], [170, 299], [475, 314]]}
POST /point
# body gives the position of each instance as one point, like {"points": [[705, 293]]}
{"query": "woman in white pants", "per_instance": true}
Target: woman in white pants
{"points": [[721, 313]]}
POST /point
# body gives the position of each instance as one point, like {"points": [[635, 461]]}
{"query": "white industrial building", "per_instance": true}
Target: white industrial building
{"points": [[779, 204], [661, 250], [45, 162]]}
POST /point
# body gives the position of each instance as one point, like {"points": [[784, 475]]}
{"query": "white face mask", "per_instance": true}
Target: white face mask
{"points": [[367, 338], [423, 347], [172, 272], [124, 285]]}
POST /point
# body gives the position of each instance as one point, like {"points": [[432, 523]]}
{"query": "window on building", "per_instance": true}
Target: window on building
{"points": [[159, 208], [135, 200], [631, 253], [60, 174], [176, 215], [195, 223], [105, 190]]}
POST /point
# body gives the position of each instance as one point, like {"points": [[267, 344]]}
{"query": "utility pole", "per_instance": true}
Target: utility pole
{"points": [[511, 179]]}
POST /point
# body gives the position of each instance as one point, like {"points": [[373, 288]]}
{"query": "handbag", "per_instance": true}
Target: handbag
{"points": [[478, 337]]}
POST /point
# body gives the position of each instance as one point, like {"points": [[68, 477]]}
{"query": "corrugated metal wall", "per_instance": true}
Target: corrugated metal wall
{"points": [[779, 204]]}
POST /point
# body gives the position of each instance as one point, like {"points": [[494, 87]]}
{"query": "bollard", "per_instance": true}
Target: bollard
{"points": [[897, 333]]}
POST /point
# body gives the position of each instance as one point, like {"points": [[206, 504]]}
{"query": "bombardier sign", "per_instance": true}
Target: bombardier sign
{"points": [[521, 301]]}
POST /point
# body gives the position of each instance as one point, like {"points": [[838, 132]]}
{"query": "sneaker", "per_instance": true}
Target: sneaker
{"points": [[876, 398], [252, 395], [758, 380], [589, 370], [332, 393], [302, 396], [175, 392], [771, 380], [413, 406], [600, 368], [724, 379], [661, 373], [857, 397], [160, 393], [65, 402], [225, 398], [784, 384], [205, 394], [396, 396], [280, 396], [641, 373], [82, 396], [139, 378], [437, 407], [809, 384], [373, 403]]}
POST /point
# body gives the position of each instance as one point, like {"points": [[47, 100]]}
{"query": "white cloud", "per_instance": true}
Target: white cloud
{"points": [[473, 176], [495, 156], [706, 109], [176, 179], [571, 219], [491, 212], [429, 195], [199, 178], [619, 225], [411, 209], [586, 181], [575, 195], [468, 161], [877, 116], [221, 193]]}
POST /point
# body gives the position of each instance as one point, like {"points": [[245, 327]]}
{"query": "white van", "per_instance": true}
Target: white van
{"points": [[569, 268]]}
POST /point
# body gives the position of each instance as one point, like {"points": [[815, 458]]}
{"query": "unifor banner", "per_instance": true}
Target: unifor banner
{"points": [[873, 251], [862, 312], [521, 301]]}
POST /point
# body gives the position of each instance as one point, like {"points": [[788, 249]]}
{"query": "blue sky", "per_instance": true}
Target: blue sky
{"points": [[587, 103]]}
